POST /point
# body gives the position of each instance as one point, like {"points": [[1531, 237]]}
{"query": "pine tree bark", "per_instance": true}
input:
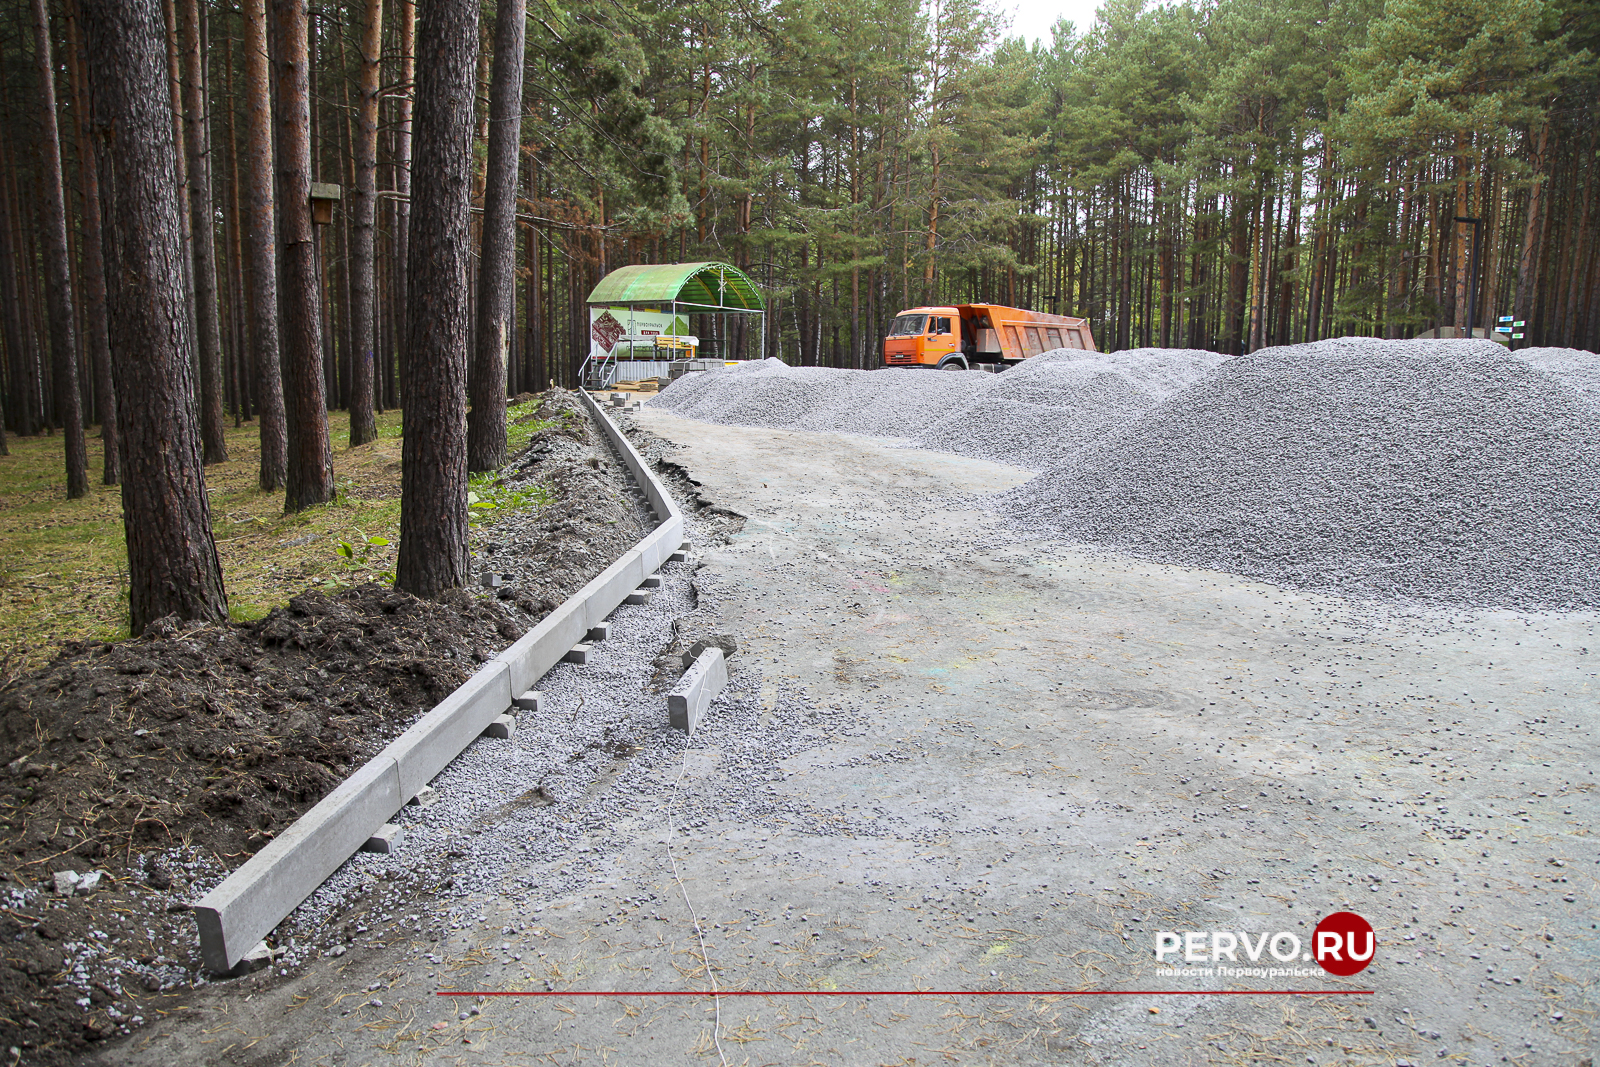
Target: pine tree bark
{"points": [[173, 566], [203, 237], [486, 422], [309, 474], [1528, 262], [402, 170], [363, 229], [13, 319], [58, 268], [92, 272], [260, 239], [433, 495]]}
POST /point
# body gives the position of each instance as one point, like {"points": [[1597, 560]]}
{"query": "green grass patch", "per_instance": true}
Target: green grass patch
{"points": [[63, 564], [522, 422]]}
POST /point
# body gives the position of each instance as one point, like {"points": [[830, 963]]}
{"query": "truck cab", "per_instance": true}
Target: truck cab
{"points": [[926, 337], [961, 336]]}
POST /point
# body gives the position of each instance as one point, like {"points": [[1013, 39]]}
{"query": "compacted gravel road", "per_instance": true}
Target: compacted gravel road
{"points": [[998, 772]]}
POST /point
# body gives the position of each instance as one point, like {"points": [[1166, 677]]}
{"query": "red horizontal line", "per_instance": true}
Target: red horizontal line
{"points": [[911, 993]]}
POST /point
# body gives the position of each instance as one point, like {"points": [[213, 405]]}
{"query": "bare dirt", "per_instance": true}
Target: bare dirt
{"points": [[165, 760]]}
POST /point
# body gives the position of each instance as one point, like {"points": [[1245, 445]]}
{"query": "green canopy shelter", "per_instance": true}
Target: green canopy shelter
{"points": [[695, 288], [648, 304]]}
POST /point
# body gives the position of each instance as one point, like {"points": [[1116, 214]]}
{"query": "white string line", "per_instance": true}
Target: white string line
{"points": [[716, 1027]]}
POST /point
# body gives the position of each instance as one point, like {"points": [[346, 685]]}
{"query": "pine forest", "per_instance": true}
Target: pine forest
{"points": [[1220, 175]]}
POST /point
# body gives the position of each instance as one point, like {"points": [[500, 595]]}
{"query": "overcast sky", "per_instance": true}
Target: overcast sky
{"points": [[1033, 18]]}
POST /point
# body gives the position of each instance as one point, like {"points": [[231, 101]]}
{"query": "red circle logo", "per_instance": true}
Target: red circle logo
{"points": [[1344, 943]]}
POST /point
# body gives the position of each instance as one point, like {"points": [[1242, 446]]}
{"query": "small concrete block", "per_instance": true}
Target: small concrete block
{"points": [[386, 839], [679, 556], [578, 653], [529, 701], [652, 582], [599, 632], [696, 690], [426, 797], [639, 596], [490, 580], [504, 728], [253, 961]]}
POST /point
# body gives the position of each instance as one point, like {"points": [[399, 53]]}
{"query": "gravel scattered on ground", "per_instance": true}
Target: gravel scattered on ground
{"points": [[1431, 471]]}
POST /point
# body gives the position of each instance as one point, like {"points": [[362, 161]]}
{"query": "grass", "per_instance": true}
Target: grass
{"points": [[64, 564]]}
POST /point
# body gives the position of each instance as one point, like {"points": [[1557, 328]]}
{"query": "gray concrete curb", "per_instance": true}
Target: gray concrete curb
{"points": [[250, 902], [696, 690]]}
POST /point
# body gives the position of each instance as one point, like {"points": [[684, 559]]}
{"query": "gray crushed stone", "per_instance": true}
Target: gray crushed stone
{"points": [[1032, 415], [1429, 471], [1046, 409], [1577, 368], [536, 819]]}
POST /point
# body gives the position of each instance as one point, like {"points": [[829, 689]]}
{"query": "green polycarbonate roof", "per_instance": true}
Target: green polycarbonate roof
{"points": [[692, 286]]}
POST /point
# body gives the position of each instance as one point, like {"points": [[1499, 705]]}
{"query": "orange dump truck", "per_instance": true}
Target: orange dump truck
{"points": [[964, 335]]}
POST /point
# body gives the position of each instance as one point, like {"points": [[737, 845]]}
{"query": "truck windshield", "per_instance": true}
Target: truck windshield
{"points": [[908, 325]]}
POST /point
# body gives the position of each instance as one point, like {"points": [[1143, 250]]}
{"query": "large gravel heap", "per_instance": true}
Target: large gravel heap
{"points": [[1048, 408], [1437, 471], [1033, 415], [1577, 368], [769, 392]]}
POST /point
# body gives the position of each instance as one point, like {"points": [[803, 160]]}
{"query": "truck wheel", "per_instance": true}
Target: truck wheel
{"points": [[953, 363]]}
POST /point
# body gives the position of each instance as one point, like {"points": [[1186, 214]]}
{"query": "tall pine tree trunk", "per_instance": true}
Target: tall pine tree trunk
{"points": [[363, 229], [202, 235], [260, 241], [58, 268], [402, 170], [173, 566], [433, 494], [1528, 264], [309, 477], [93, 271], [486, 423]]}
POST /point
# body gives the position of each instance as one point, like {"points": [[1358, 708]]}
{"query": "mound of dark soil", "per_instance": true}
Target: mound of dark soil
{"points": [[198, 743], [224, 732]]}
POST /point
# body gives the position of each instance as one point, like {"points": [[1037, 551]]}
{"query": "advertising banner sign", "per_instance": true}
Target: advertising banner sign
{"points": [[619, 331]]}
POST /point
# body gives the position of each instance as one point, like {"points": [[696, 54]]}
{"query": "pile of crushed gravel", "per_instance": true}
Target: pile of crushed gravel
{"points": [[1046, 409], [1032, 415], [1434, 471], [770, 393], [1577, 368]]}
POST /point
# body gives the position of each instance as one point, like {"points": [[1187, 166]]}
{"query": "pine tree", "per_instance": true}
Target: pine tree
{"points": [[173, 567], [433, 371], [58, 291], [364, 211], [309, 475], [486, 421]]}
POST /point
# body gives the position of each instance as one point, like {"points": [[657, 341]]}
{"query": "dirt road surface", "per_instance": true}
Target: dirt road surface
{"points": [[1021, 763]]}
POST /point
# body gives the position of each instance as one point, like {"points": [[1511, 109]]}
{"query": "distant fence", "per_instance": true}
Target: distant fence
{"points": [[635, 370]]}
